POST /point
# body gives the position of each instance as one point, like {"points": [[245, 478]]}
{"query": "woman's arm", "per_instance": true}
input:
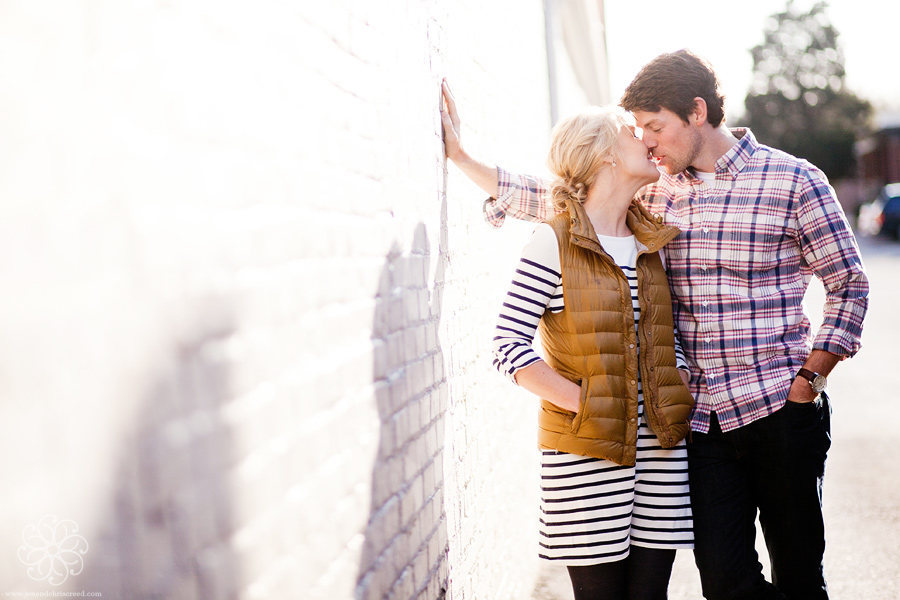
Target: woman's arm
{"points": [[535, 288], [680, 360], [543, 381]]}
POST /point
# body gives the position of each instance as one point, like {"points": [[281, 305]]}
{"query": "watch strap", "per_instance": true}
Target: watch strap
{"points": [[816, 381], [807, 374]]}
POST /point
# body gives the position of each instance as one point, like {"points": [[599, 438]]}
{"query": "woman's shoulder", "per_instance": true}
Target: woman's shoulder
{"points": [[544, 235], [543, 247]]}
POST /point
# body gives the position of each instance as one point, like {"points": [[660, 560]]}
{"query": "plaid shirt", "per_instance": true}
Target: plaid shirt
{"points": [[749, 246]]}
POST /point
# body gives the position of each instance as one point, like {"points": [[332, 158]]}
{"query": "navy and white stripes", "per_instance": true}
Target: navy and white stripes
{"points": [[592, 510], [536, 287]]}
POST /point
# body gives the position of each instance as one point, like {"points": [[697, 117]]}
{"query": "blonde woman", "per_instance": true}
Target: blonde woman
{"points": [[614, 404]]}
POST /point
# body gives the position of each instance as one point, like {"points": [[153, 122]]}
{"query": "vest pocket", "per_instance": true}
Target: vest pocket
{"points": [[579, 416]]}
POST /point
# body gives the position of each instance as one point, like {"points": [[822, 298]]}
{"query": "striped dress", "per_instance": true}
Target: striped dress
{"points": [[592, 510]]}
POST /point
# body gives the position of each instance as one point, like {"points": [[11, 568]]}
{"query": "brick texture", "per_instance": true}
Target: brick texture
{"points": [[247, 310]]}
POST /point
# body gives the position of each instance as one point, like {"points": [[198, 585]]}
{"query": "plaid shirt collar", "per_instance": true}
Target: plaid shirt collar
{"points": [[732, 161], [650, 233]]}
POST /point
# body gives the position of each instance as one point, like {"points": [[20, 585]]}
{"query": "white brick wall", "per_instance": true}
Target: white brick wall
{"points": [[245, 327]]}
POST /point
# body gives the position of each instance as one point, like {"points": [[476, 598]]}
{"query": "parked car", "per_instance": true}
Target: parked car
{"points": [[890, 210], [881, 216]]}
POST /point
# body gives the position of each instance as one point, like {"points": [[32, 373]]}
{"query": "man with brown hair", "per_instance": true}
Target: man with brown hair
{"points": [[756, 225]]}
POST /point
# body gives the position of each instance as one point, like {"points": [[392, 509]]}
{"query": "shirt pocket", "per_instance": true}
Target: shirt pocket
{"points": [[752, 238]]}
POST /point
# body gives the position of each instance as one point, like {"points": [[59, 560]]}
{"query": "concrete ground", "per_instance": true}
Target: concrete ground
{"points": [[862, 481]]}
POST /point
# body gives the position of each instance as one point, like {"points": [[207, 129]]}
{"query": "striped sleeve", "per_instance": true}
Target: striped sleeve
{"points": [[535, 286], [680, 360]]}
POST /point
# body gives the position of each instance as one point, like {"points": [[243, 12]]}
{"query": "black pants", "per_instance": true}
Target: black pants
{"points": [[642, 575], [774, 465]]}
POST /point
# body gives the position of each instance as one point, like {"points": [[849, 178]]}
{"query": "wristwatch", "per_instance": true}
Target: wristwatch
{"points": [[816, 382]]}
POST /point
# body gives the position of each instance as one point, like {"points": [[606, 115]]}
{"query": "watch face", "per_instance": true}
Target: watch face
{"points": [[818, 383]]}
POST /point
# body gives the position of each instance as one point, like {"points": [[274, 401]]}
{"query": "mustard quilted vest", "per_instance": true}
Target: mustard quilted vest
{"points": [[592, 342]]}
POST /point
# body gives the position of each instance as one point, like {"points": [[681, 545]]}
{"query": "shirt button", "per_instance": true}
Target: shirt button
{"points": [[708, 340], [633, 419], [706, 230], [633, 382], [631, 345]]}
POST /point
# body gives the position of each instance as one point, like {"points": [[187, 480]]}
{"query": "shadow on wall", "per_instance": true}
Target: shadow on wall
{"points": [[170, 516], [405, 548]]}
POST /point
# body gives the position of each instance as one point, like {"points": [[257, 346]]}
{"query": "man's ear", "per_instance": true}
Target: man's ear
{"points": [[699, 115]]}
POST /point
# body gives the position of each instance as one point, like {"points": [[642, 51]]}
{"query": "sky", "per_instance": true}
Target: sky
{"points": [[724, 31]]}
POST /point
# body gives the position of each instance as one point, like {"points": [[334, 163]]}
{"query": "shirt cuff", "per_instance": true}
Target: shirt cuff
{"points": [[524, 356], [836, 345], [495, 209]]}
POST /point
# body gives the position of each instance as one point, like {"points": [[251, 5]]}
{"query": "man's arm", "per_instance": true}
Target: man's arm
{"points": [[829, 247], [818, 361], [482, 174]]}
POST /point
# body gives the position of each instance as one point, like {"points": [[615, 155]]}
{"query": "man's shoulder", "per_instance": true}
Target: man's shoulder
{"points": [[775, 161]]}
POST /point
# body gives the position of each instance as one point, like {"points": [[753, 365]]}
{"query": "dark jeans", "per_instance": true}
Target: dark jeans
{"points": [[643, 575], [774, 465]]}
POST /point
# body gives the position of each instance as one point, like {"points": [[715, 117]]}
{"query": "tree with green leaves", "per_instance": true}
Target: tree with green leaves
{"points": [[798, 101]]}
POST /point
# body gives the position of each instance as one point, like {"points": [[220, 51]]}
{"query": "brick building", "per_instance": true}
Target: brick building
{"points": [[246, 325], [878, 157]]}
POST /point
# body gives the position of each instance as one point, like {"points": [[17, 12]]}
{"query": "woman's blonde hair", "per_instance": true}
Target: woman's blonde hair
{"points": [[580, 144]]}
